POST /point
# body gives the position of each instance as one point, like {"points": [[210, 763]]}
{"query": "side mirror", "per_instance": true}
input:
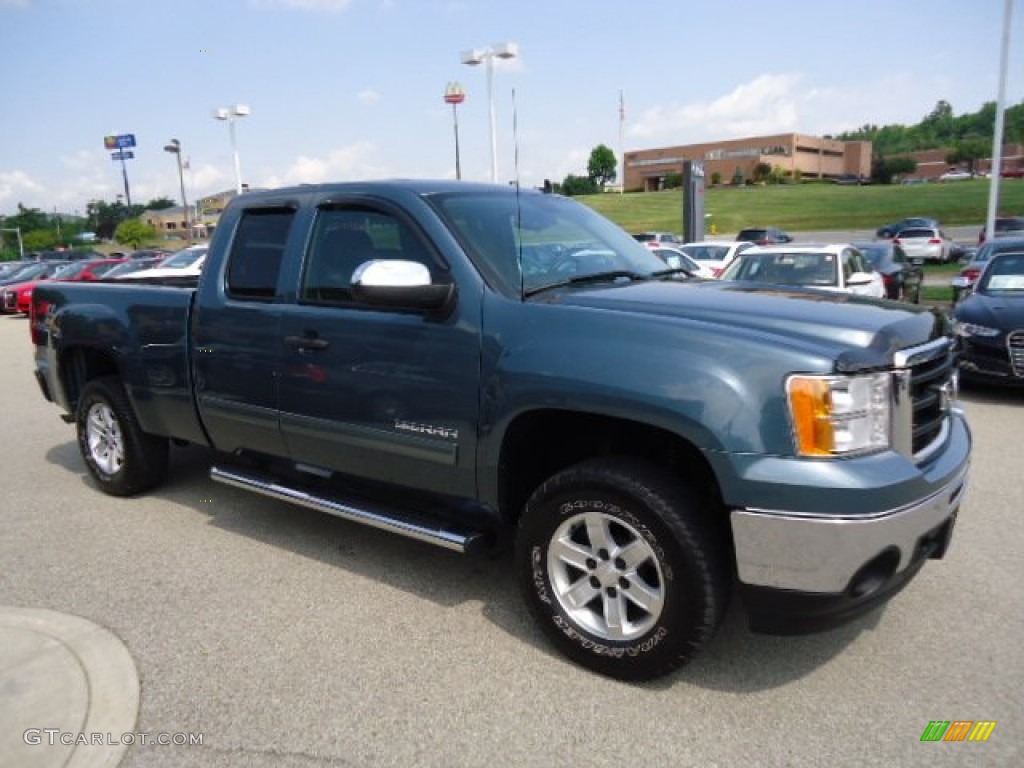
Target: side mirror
{"points": [[400, 284], [860, 278]]}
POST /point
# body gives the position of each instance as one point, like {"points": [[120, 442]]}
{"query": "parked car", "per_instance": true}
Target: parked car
{"points": [[127, 266], [839, 267], [1004, 226], [655, 239], [185, 263], [890, 230], [88, 270], [955, 174], [989, 323], [17, 297], [644, 444], [927, 243], [32, 271], [851, 179], [716, 254], [764, 235], [676, 258], [902, 276], [971, 271]]}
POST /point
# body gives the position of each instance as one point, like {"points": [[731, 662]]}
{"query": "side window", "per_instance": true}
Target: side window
{"points": [[851, 264], [898, 255], [345, 238], [255, 260]]}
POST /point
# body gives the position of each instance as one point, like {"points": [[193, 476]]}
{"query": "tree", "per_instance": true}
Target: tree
{"points": [[762, 171], [160, 204], [969, 151], [883, 169], [578, 185], [134, 233], [602, 166]]}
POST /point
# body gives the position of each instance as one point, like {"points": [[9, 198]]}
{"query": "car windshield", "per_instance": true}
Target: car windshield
{"points": [[1004, 275], [788, 268], [183, 259], [706, 252], [874, 254], [911, 234], [531, 241], [70, 271], [29, 272]]}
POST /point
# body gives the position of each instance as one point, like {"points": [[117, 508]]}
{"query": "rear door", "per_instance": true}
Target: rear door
{"points": [[237, 335], [379, 393]]}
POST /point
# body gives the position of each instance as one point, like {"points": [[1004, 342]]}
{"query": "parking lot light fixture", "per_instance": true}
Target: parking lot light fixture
{"points": [[486, 56], [229, 115], [174, 147]]}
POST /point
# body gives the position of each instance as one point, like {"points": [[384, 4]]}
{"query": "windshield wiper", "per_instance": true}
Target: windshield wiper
{"points": [[671, 272], [596, 277]]}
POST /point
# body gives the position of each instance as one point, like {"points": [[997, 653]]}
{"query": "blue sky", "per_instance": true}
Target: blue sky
{"points": [[353, 89]]}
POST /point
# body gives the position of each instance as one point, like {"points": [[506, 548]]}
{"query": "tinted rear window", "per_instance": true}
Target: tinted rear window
{"points": [[910, 233]]}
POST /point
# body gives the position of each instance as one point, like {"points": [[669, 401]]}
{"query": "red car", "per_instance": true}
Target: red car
{"points": [[17, 298]]}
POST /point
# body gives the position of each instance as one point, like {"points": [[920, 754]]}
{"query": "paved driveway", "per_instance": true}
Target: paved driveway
{"points": [[289, 638]]}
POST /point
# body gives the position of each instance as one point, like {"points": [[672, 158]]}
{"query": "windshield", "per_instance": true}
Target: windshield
{"points": [[812, 269], [1004, 274], [70, 271], [874, 254], [184, 258], [557, 240], [706, 252], [28, 272]]}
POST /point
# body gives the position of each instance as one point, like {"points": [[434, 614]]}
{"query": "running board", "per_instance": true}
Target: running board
{"points": [[408, 524]]}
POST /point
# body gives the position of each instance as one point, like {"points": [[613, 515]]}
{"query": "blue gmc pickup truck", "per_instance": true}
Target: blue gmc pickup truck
{"points": [[478, 366]]}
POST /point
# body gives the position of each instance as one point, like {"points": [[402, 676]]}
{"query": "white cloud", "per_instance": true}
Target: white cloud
{"points": [[16, 186], [368, 96], [352, 163], [767, 104]]}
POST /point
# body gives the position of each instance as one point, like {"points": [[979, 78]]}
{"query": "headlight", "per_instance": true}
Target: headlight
{"points": [[840, 415], [972, 329]]}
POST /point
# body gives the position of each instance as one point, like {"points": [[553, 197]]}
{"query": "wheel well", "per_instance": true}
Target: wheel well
{"points": [[79, 366], [541, 443]]}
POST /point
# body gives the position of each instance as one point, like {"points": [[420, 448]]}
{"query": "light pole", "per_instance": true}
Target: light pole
{"points": [[454, 95], [231, 114], [175, 149], [487, 55]]}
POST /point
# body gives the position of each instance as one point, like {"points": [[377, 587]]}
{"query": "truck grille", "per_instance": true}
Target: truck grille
{"points": [[1015, 346], [927, 389]]}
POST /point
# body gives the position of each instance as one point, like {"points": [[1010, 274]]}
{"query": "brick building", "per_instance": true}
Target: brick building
{"points": [[795, 153]]}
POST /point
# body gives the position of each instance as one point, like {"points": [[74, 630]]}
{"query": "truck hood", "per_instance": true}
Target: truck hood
{"points": [[856, 331]]}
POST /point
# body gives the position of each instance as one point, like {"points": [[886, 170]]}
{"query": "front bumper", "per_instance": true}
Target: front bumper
{"points": [[808, 571]]}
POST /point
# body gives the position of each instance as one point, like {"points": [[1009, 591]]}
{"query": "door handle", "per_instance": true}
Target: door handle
{"points": [[305, 342]]}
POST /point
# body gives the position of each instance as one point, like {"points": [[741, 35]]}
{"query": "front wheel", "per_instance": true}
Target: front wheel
{"points": [[122, 459], [621, 567]]}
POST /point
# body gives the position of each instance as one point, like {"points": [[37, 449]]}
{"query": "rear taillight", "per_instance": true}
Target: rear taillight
{"points": [[897, 241], [971, 274], [37, 316], [716, 271]]}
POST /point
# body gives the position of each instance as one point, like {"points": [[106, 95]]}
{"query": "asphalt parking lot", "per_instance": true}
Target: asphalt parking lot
{"points": [[290, 638]]}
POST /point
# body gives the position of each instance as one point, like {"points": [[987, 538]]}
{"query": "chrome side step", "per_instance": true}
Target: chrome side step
{"points": [[408, 524]]}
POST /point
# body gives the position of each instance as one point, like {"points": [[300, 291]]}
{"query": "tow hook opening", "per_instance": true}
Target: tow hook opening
{"points": [[874, 574]]}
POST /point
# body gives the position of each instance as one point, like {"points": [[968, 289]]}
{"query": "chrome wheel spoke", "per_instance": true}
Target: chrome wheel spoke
{"points": [[580, 593], [571, 553]]}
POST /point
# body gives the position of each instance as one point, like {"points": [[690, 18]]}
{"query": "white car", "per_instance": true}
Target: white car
{"points": [[836, 267], [928, 243], [187, 262], [677, 259], [717, 255], [956, 175]]}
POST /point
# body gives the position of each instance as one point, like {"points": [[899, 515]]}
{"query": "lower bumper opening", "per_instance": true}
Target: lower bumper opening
{"points": [[775, 611]]}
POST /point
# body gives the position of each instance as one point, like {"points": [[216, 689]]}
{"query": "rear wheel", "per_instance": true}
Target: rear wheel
{"points": [[621, 568], [122, 459]]}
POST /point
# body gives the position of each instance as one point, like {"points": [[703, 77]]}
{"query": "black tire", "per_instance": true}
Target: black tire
{"points": [[122, 459], [625, 534]]}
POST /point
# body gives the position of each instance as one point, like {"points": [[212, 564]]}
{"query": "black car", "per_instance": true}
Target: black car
{"points": [[913, 222], [901, 275], [763, 236], [989, 323], [1004, 226]]}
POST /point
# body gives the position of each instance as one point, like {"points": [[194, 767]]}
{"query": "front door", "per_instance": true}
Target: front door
{"points": [[380, 394]]}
